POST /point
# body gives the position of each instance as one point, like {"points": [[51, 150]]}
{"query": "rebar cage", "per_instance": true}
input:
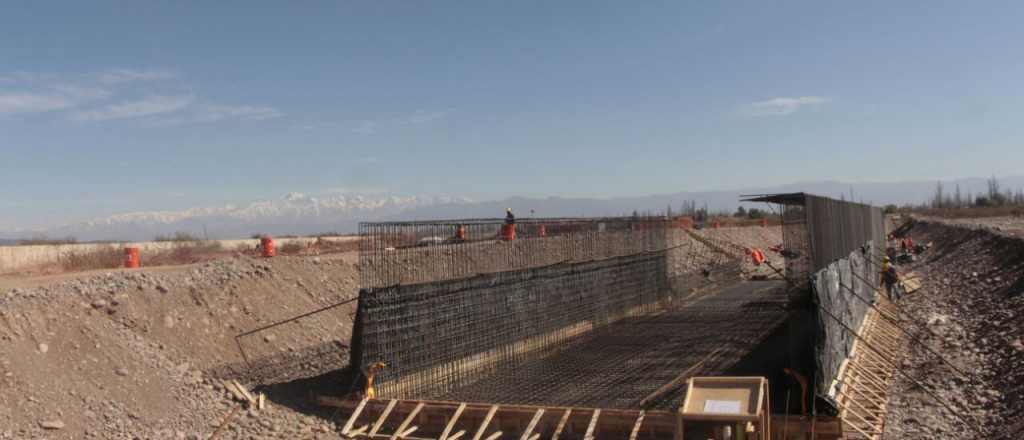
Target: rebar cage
{"points": [[444, 303]]}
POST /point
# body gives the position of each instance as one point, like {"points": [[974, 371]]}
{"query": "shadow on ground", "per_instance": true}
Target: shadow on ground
{"points": [[293, 379]]}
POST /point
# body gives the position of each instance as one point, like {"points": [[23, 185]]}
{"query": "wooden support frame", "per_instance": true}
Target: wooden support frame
{"points": [[482, 421], [862, 388]]}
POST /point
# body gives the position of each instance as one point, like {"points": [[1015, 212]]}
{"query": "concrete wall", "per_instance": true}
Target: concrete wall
{"points": [[15, 258]]}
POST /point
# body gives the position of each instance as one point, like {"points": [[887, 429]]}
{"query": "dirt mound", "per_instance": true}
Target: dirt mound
{"points": [[142, 354], [970, 309]]}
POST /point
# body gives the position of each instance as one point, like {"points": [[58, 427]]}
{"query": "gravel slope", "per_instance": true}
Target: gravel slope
{"points": [[970, 309], [143, 354]]}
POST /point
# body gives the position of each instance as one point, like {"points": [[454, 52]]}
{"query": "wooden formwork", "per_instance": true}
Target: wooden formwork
{"points": [[392, 419], [861, 389]]}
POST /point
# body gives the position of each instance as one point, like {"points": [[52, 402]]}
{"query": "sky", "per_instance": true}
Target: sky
{"points": [[123, 106]]}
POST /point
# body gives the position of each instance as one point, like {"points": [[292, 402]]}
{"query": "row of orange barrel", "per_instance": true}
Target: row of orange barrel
{"points": [[133, 260], [508, 232]]}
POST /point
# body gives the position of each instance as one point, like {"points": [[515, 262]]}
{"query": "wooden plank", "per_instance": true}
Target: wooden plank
{"points": [[593, 424], [357, 432], [408, 420], [457, 435], [533, 424], [383, 417], [487, 420], [636, 426], [451, 423], [561, 424], [245, 392], [355, 415], [408, 432], [494, 436]]}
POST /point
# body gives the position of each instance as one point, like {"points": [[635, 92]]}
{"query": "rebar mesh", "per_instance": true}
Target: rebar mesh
{"points": [[446, 303]]}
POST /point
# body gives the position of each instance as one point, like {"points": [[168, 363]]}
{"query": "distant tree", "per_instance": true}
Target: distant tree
{"points": [[740, 212], [937, 201], [890, 209], [755, 213], [957, 201]]}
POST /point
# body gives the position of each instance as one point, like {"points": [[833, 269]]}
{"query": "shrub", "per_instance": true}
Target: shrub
{"points": [[104, 257]]}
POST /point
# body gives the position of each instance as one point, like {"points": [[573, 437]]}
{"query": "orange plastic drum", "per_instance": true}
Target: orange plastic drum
{"points": [[267, 245], [508, 232], [131, 257]]}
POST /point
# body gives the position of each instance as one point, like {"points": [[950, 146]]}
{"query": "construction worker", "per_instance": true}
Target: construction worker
{"points": [[891, 279], [510, 219]]}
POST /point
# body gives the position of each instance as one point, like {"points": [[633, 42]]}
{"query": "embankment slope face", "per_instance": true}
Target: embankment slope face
{"points": [[971, 309], [142, 354]]}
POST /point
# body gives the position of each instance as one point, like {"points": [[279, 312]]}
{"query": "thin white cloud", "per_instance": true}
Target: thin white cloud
{"points": [[783, 105], [366, 127], [422, 117], [32, 103], [119, 94], [150, 106], [214, 113], [357, 190], [116, 76]]}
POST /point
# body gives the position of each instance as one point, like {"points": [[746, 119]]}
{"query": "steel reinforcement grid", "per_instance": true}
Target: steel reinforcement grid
{"points": [[832, 249], [443, 304]]}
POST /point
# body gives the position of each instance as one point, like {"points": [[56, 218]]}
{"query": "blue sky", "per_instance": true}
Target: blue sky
{"points": [[119, 106]]}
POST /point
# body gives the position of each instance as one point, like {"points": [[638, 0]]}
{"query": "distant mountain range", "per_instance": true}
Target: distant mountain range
{"points": [[297, 213]]}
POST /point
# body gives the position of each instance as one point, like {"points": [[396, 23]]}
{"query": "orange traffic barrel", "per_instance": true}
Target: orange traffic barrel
{"points": [[267, 245], [764, 223], [131, 257], [508, 232], [542, 231], [460, 233], [718, 224]]}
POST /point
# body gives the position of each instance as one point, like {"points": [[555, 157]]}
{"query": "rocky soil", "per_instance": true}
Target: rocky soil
{"points": [[971, 310], [1003, 225], [143, 354]]}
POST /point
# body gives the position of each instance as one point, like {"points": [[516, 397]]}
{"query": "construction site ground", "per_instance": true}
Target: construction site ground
{"points": [[144, 354]]}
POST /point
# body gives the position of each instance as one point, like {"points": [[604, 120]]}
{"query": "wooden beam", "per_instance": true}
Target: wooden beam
{"points": [[358, 432], [636, 426], [487, 420], [457, 435], [355, 415], [494, 436], [593, 424], [533, 423], [383, 416], [451, 423], [561, 424], [405, 423]]}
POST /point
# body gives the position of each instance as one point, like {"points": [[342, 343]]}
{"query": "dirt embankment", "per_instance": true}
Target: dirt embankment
{"points": [[971, 310], [142, 354]]}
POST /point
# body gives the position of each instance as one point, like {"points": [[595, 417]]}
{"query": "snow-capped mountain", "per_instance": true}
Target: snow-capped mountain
{"points": [[294, 213]]}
